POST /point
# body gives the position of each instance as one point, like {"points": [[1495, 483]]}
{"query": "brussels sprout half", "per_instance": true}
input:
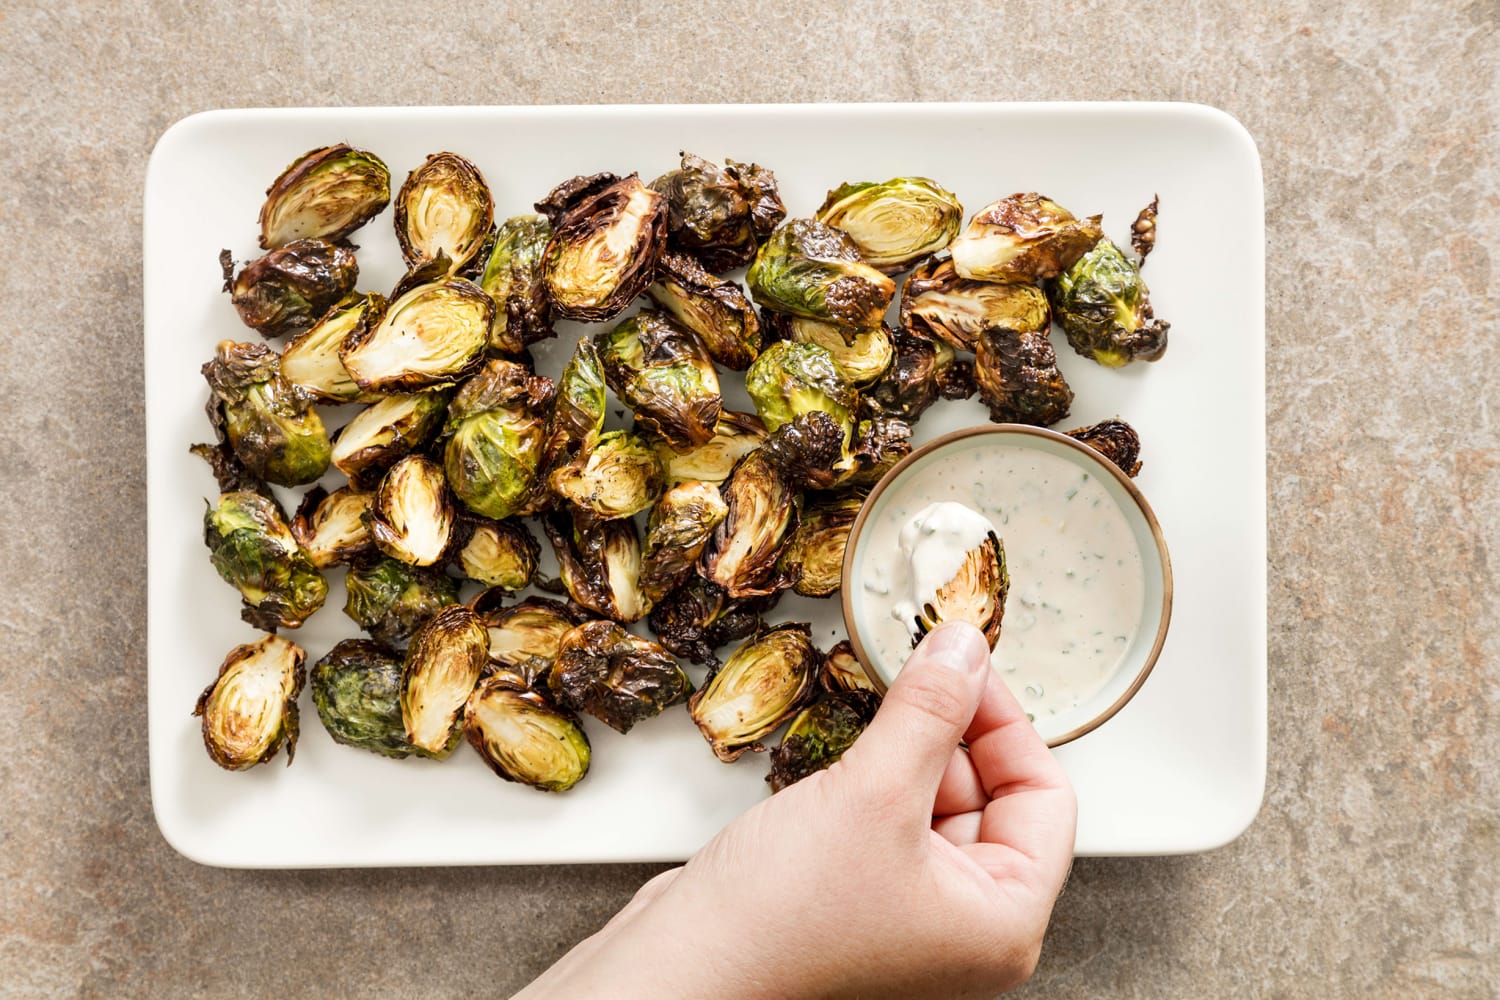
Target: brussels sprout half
{"points": [[433, 334], [859, 356], [810, 269], [499, 554], [820, 735], [332, 527], [387, 431], [790, 379], [760, 686], [411, 518], [513, 279], [391, 600], [268, 422], [664, 375], [254, 551], [735, 436], [814, 555], [680, 525], [1115, 440], [720, 214], [842, 671], [1105, 309], [894, 223], [715, 309], [975, 594], [289, 289], [1018, 378], [523, 737], [443, 663], [325, 193], [698, 617], [524, 639], [356, 688], [311, 359], [577, 417], [445, 207], [939, 305], [608, 234], [763, 508], [618, 678], [250, 710], [1022, 238], [618, 477], [600, 564], [809, 452], [497, 429]]}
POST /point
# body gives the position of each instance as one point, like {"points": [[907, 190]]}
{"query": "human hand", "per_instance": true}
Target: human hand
{"points": [[910, 868]]}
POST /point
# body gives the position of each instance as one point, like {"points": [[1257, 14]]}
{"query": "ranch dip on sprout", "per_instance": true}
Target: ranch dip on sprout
{"points": [[1077, 588]]}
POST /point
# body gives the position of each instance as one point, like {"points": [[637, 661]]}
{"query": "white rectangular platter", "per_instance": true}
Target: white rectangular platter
{"points": [[1182, 768]]}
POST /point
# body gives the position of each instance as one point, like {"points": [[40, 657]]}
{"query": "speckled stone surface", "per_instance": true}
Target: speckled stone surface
{"points": [[1372, 869]]}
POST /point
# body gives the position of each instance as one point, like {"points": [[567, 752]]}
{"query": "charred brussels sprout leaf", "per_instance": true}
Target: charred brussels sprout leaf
{"points": [[268, 422], [391, 600], [311, 360], [809, 452], [253, 549], [922, 372], [250, 711], [1115, 440], [842, 671], [600, 564], [760, 686], [975, 594], [443, 663], [577, 417], [763, 507], [715, 309], [444, 207], [814, 557], [618, 678], [431, 335], [411, 518], [290, 288], [820, 735], [939, 305], [679, 527], [810, 269], [524, 639], [1019, 379], [357, 690], [1022, 238], [327, 194], [1143, 231], [699, 617], [735, 436], [513, 279], [1103, 306], [894, 223], [497, 428], [661, 372], [619, 476], [332, 526], [720, 214], [496, 553], [523, 737], [791, 379], [608, 234], [387, 431]]}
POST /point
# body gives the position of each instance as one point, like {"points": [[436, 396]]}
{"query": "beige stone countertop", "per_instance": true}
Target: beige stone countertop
{"points": [[1372, 868]]}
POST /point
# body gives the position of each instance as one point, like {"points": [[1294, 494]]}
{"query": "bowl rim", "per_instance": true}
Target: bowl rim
{"points": [[1090, 454]]}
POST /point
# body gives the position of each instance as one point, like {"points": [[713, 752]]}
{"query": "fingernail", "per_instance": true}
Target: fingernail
{"points": [[958, 646]]}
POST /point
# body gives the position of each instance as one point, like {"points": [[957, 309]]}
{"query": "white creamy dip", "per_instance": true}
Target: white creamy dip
{"points": [[1077, 589]]}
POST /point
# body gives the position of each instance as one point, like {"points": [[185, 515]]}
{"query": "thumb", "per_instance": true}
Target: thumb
{"points": [[931, 702]]}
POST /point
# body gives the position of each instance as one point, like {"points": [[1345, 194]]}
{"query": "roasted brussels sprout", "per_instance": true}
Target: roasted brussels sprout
{"points": [[254, 550], [1019, 379], [497, 427], [387, 431], [290, 288], [814, 557], [1143, 231], [895, 223], [1103, 306], [411, 518], [524, 639], [859, 361], [939, 305], [820, 735], [311, 359], [513, 278], [809, 452], [578, 412], [679, 527], [495, 553], [735, 436], [619, 476], [720, 214], [1022, 238], [444, 207], [357, 690], [699, 617], [331, 526], [431, 335], [879, 443], [660, 371], [763, 508], [790, 379], [715, 309], [523, 737], [760, 686], [975, 593], [842, 671], [922, 371], [600, 564], [810, 269], [608, 234], [443, 663], [269, 422], [391, 600], [327, 194], [250, 710], [1115, 440], [618, 678]]}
